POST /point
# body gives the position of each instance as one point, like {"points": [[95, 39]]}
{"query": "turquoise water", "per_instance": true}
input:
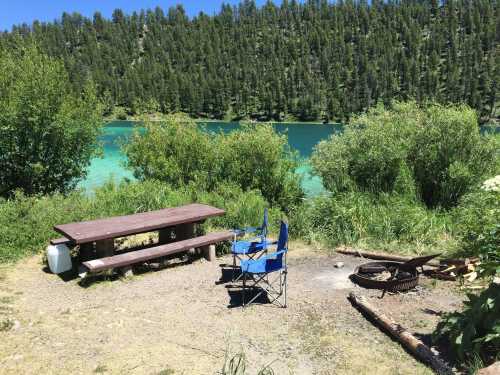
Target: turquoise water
{"points": [[301, 137]]}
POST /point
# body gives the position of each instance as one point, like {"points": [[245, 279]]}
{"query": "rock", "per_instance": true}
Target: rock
{"points": [[339, 264], [494, 369], [127, 271], [16, 325]]}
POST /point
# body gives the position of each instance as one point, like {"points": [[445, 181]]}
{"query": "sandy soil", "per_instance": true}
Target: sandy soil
{"points": [[185, 320]]}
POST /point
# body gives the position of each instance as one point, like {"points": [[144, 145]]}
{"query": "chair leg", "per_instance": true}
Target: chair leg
{"points": [[285, 286], [244, 287], [234, 267]]}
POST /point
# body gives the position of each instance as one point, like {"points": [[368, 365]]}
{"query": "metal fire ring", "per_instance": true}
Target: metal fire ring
{"points": [[386, 285]]}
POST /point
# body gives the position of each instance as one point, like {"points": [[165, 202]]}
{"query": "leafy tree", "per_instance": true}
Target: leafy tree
{"points": [[48, 133]]}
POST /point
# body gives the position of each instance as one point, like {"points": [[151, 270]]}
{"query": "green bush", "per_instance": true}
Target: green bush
{"points": [[478, 228], [179, 153], [174, 151], [371, 152], [435, 152], [48, 134], [257, 157], [448, 155], [26, 222], [475, 331], [382, 221]]}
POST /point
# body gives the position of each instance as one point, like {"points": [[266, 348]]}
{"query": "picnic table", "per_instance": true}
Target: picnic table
{"points": [[176, 227]]}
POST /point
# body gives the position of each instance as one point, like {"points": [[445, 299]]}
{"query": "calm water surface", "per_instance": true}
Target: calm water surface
{"points": [[301, 137]]}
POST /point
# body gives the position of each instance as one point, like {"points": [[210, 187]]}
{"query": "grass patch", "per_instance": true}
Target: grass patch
{"points": [[167, 371], [6, 325]]}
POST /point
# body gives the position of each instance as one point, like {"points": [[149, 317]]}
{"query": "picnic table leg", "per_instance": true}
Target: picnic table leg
{"points": [[105, 248], [209, 252], [86, 252], [184, 232], [165, 235]]}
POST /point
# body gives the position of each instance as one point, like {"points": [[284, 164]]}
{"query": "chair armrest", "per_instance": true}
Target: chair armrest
{"points": [[243, 231], [272, 256]]}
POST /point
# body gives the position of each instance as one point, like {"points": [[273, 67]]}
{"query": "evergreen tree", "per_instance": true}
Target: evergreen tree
{"points": [[309, 60]]}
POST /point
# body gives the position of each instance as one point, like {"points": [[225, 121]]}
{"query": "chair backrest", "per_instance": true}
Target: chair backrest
{"points": [[279, 262], [283, 237]]}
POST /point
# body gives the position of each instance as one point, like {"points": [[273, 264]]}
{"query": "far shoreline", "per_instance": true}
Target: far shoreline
{"points": [[160, 117]]}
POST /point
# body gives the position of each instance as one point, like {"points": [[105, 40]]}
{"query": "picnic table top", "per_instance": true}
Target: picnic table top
{"points": [[118, 226]]}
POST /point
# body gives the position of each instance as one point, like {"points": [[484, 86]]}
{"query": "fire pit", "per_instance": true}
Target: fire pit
{"points": [[390, 276]]}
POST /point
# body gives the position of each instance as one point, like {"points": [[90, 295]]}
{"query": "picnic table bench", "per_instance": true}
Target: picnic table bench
{"points": [[177, 234]]}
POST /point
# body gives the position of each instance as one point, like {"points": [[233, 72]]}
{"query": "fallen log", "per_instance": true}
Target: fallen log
{"points": [[382, 256], [410, 342]]}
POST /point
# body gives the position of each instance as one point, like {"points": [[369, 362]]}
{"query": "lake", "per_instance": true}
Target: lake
{"points": [[301, 137]]}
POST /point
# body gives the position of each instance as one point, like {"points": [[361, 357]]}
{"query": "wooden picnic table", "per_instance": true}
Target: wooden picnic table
{"points": [[103, 232], [119, 226]]}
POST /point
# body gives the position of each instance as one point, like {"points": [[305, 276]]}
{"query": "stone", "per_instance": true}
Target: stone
{"points": [[127, 271], [16, 325], [339, 264]]}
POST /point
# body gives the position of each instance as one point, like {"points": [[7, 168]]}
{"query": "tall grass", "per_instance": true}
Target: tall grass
{"points": [[385, 222]]}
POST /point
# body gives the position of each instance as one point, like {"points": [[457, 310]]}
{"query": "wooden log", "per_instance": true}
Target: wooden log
{"points": [[382, 256], [410, 342]]}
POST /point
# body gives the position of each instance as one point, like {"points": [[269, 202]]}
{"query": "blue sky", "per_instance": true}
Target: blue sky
{"points": [[13, 12]]}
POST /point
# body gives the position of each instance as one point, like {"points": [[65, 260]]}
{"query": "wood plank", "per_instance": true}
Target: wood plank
{"points": [[95, 230], [60, 241], [140, 256]]}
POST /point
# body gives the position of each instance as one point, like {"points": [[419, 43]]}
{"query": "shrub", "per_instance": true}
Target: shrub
{"points": [[448, 155], [48, 134], [478, 228], [476, 330], [26, 222], [174, 151], [369, 155], [177, 152], [435, 152], [257, 157]]}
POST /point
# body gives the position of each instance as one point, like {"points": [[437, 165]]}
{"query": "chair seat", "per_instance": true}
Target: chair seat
{"points": [[265, 264], [248, 247]]}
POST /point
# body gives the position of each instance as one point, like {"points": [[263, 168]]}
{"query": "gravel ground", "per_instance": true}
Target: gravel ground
{"points": [[185, 320]]}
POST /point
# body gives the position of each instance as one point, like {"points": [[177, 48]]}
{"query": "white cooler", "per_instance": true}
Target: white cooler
{"points": [[59, 258]]}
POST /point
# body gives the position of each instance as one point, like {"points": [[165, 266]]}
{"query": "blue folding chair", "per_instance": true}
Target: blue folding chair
{"points": [[250, 248], [257, 271]]}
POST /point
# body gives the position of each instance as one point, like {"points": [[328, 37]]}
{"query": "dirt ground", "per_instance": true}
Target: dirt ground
{"points": [[184, 320]]}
